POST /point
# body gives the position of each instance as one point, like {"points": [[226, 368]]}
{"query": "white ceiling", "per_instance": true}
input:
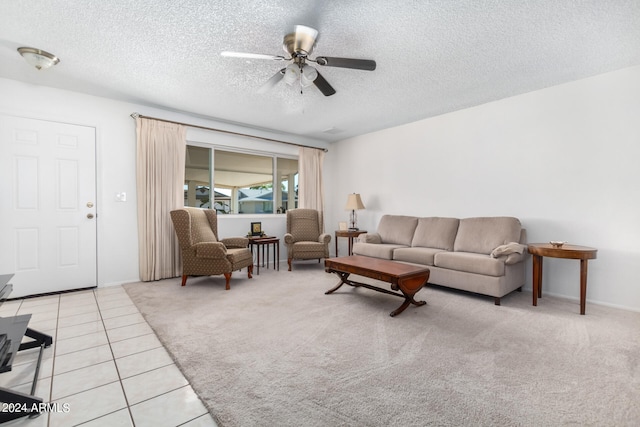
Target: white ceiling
{"points": [[432, 56]]}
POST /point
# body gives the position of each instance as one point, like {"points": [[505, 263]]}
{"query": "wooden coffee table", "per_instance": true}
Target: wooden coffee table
{"points": [[405, 278]]}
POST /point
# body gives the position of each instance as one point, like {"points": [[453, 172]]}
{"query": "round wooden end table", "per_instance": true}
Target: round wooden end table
{"points": [[540, 250], [349, 234]]}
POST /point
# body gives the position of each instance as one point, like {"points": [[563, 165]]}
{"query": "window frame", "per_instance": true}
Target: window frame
{"points": [[275, 179]]}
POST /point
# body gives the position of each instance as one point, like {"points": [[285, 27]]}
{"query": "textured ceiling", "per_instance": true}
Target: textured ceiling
{"points": [[432, 57]]}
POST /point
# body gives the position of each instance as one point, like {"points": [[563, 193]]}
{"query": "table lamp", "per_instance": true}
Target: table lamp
{"points": [[353, 204]]}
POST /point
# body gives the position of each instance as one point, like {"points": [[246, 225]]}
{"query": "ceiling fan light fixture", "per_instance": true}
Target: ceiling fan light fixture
{"points": [[291, 74], [38, 58], [307, 75], [298, 45]]}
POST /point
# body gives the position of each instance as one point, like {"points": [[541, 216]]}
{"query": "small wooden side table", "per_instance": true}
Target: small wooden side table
{"points": [[349, 234], [540, 250], [261, 242]]}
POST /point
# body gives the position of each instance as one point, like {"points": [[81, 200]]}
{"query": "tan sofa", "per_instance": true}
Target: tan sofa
{"points": [[484, 255]]}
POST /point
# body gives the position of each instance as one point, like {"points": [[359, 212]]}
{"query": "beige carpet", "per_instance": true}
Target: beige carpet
{"points": [[276, 351]]}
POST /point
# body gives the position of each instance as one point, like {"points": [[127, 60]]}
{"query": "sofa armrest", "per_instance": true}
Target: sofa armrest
{"points": [[516, 258], [235, 242], [324, 238], [213, 250], [288, 238], [370, 238]]}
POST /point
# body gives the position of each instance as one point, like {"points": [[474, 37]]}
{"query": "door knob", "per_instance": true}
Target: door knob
{"points": [[90, 215], [89, 204]]}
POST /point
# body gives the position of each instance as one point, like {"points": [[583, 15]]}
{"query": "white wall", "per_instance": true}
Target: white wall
{"points": [[561, 159], [564, 160], [116, 165], [115, 154]]}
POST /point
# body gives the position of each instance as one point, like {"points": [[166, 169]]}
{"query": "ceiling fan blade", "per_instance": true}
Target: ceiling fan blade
{"points": [[358, 64], [274, 80], [251, 55], [324, 86]]}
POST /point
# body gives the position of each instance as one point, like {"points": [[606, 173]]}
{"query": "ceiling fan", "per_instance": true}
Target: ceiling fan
{"points": [[298, 45]]}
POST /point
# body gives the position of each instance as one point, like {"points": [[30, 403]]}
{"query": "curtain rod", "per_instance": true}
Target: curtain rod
{"points": [[136, 115]]}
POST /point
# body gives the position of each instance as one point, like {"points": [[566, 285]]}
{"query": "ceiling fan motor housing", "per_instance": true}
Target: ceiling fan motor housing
{"points": [[300, 42]]}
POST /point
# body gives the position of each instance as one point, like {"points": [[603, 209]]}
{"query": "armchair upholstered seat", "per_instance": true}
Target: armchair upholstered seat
{"points": [[202, 253], [304, 237]]}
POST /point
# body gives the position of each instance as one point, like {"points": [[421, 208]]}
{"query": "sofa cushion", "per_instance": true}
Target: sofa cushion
{"points": [[397, 229], [436, 232], [483, 234], [422, 256], [375, 250], [470, 262]]}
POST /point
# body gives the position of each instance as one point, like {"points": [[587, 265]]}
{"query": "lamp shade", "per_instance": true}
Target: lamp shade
{"points": [[354, 202]]}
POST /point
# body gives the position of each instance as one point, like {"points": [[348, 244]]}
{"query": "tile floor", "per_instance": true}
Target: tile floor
{"points": [[105, 364]]}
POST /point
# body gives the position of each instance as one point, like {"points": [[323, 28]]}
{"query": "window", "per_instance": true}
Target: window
{"points": [[243, 183]]}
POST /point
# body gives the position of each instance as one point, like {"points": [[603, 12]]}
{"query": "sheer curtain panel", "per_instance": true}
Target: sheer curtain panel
{"points": [[310, 189], [160, 186]]}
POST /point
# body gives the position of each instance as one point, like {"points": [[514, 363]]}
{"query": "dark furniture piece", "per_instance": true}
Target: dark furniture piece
{"points": [[350, 235], [12, 330], [261, 243], [406, 278], [540, 250]]}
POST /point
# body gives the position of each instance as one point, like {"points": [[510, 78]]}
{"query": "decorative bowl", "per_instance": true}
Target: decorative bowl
{"points": [[557, 243]]}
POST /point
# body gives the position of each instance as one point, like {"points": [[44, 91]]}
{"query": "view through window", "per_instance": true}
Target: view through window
{"points": [[243, 183]]}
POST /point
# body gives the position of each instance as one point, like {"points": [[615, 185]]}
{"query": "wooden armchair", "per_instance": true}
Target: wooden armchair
{"points": [[304, 237], [202, 253]]}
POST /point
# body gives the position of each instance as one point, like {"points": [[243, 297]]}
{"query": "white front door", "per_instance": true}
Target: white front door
{"points": [[47, 205]]}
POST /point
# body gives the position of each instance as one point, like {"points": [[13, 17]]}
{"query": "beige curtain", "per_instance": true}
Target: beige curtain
{"points": [[310, 189], [160, 187]]}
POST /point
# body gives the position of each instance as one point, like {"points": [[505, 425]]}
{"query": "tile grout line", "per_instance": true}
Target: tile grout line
{"points": [[53, 361], [54, 354], [206, 413], [124, 394], [94, 298], [112, 360]]}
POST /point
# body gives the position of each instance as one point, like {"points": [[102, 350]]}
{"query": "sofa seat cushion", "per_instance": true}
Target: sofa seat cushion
{"points": [[422, 256], [483, 234], [375, 250], [470, 262], [436, 232], [397, 229]]}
